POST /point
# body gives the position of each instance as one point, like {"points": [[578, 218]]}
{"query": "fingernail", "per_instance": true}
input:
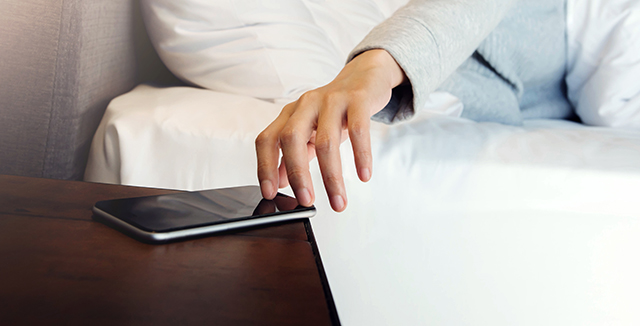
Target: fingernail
{"points": [[304, 197], [365, 174], [337, 203], [267, 188]]}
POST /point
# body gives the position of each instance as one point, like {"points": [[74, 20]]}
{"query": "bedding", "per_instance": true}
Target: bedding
{"points": [[604, 61], [462, 222], [264, 49], [300, 44]]}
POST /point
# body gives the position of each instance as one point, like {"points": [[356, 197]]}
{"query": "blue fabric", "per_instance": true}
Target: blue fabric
{"points": [[504, 59], [518, 71]]}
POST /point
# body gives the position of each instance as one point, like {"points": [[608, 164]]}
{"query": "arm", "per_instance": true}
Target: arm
{"points": [[429, 39]]}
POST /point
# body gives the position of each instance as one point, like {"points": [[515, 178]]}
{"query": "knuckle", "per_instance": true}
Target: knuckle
{"points": [[289, 136], [324, 143], [295, 173], [288, 109], [363, 156], [358, 130], [332, 179], [309, 97], [334, 98], [263, 139], [264, 167]]}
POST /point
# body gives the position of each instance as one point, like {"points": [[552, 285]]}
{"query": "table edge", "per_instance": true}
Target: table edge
{"points": [[333, 312]]}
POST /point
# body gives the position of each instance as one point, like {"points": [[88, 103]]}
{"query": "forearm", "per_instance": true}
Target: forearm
{"points": [[430, 39]]}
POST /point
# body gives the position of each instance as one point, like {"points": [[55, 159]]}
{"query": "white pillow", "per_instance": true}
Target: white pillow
{"points": [[604, 61], [272, 50]]}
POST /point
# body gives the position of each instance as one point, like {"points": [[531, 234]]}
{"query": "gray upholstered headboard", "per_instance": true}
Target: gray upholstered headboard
{"points": [[61, 62]]}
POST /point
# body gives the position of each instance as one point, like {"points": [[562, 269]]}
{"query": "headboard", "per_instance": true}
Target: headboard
{"points": [[61, 63]]}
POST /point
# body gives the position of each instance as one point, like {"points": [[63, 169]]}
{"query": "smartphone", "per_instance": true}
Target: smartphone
{"points": [[157, 219]]}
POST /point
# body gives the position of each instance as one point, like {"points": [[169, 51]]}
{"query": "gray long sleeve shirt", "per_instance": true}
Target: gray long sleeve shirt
{"points": [[504, 59]]}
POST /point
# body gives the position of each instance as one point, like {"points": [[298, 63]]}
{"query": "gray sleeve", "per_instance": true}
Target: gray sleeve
{"points": [[430, 39]]}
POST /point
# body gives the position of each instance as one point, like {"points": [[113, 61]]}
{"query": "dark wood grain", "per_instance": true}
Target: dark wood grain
{"points": [[74, 200], [59, 266]]}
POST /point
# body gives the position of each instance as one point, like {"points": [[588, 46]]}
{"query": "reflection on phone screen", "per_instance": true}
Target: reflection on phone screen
{"points": [[279, 204], [176, 211]]}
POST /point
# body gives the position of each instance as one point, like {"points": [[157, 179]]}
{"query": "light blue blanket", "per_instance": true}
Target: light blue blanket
{"points": [[515, 73]]}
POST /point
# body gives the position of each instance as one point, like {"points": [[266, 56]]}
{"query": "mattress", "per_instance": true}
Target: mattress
{"points": [[462, 222]]}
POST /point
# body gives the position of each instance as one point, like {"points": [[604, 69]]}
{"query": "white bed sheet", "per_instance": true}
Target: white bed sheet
{"points": [[462, 223]]}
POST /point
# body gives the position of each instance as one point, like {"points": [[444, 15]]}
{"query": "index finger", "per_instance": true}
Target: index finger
{"points": [[268, 153]]}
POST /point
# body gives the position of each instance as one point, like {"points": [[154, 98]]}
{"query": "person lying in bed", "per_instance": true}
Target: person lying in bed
{"points": [[504, 59]]}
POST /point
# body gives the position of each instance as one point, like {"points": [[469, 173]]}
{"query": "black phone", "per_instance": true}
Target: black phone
{"points": [[156, 219]]}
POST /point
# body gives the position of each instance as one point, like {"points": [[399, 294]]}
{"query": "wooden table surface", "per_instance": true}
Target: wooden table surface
{"points": [[58, 265]]}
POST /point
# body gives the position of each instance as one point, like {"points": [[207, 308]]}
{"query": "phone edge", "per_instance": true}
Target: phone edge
{"points": [[160, 237]]}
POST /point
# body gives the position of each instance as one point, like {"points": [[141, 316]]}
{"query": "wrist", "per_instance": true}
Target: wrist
{"points": [[391, 69]]}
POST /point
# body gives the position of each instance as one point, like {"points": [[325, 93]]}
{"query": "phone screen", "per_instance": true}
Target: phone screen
{"points": [[166, 213]]}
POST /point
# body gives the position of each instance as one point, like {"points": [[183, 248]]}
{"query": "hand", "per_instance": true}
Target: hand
{"points": [[319, 121]]}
